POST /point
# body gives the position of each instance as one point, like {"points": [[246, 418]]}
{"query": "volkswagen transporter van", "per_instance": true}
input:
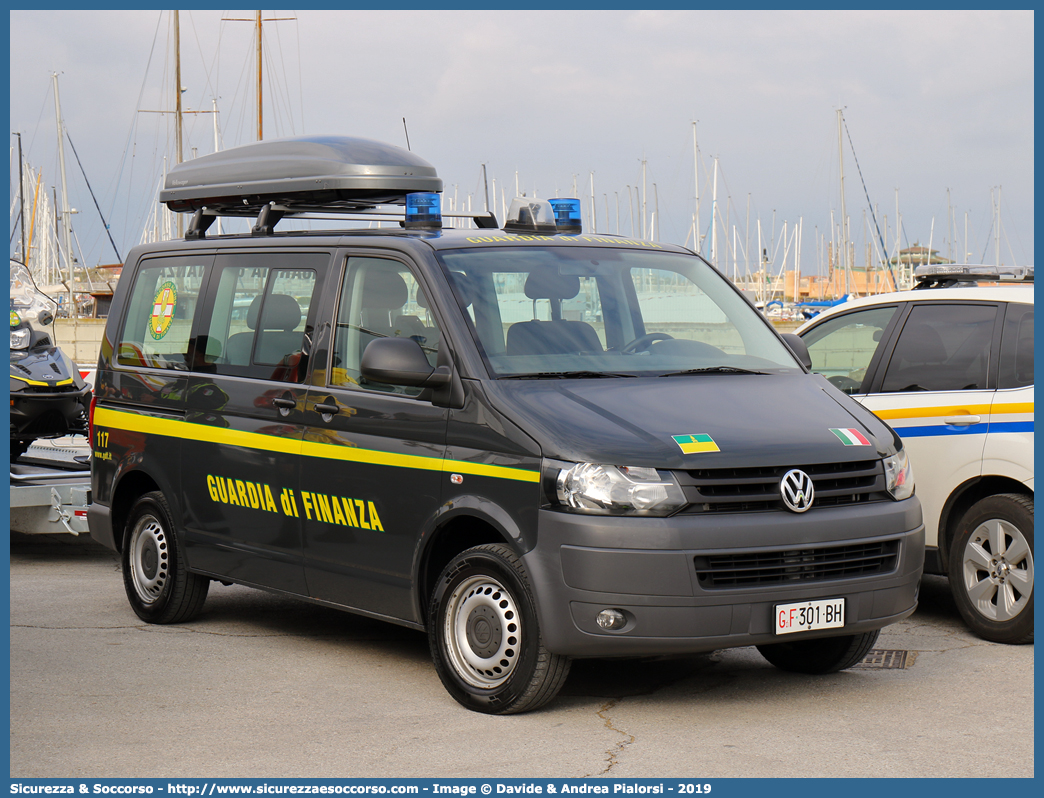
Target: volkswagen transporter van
{"points": [[532, 443]]}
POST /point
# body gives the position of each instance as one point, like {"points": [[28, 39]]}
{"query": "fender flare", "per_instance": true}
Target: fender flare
{"points": [[470, 506]]}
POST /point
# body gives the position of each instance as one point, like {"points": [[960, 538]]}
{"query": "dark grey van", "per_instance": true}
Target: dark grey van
{"points": [[533, 443]]}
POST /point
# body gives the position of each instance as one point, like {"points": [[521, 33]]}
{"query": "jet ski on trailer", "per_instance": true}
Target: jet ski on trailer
{"points": [[49, 398]]}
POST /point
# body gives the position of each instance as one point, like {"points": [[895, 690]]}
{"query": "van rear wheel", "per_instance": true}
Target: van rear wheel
{"points": [[991, 568], [822, 655], [159, 587], [485, 638]]}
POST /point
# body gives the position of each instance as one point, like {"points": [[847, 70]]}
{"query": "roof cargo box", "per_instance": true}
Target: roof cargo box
{"points": [[302, 172]]}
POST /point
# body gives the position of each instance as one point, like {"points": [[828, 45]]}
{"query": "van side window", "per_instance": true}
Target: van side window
{"points": [[259, 324], [380, 298], [942, 348], [158, 324]]}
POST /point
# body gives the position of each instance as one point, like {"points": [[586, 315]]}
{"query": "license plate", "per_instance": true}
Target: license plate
{"points": [[805, 616]]}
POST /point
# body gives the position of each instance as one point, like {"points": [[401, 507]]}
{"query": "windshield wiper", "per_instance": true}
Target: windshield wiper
{"points": [[561, 375], [714, 370]]}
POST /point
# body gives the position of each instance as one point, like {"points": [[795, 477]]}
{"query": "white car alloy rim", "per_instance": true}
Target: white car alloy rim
{"points": [[149, 560], [482, 632], [998, 570]]}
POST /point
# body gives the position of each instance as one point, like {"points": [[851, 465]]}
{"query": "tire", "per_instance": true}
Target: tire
{"points": [[159, 587], [485, 638], [991, 568], [822, 655]]}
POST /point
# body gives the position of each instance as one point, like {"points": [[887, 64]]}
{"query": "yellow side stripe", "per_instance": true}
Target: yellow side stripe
{"points": [[971, 410], [38, 382], [174, 428], [1014, 407]]}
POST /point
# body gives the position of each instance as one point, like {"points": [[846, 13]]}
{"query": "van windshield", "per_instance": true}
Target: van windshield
{"points": [[545, 312]]}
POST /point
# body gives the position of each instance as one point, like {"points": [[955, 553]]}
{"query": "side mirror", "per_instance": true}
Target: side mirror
{"points": [[797, 346], [401, 361]]}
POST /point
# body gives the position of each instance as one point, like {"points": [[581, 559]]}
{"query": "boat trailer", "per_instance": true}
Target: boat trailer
{"points": [[51, 487]]}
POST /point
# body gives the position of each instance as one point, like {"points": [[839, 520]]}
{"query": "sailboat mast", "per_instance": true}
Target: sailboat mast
{"points": [[66, 215], [997, 233], [656, 214], [594, 207], [177, 86], [696, 177], [844, 216], [746, 244], [644, 195], [259, 126], [964, 256], [714, 216], [21, 200], [217, 146], [178, 115]]}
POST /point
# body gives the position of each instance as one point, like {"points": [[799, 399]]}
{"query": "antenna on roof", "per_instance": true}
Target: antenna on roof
{"points": [[407, 133]]}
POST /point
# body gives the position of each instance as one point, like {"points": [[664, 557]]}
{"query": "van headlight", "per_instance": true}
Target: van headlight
{"points": [[20, 338], [899, 475], [618, 490]]}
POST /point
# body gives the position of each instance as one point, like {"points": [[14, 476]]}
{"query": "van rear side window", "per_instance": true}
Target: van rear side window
{"points": [[158, 324], [259, 316]]}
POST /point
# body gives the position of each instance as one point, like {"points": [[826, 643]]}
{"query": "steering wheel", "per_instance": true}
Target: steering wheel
{"points": [[643, 343], [846, 384]]}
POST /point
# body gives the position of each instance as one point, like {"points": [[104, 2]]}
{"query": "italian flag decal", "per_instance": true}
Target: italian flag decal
{"points": [[851, 437], [694, 444]]}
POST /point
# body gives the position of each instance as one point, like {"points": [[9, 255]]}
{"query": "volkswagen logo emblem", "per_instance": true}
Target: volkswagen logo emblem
{"points": [[796, 490]]}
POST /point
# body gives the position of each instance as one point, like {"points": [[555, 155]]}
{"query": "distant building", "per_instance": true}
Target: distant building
{"points": [[917, 256], [861, 280]]}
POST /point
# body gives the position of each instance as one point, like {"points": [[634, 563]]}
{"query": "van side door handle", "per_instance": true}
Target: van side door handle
{"points": [[960, 421], [279, 401], [326, 410]]}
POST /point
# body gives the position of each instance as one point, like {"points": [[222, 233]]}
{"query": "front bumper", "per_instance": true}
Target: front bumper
{"points": [[647, 568]]}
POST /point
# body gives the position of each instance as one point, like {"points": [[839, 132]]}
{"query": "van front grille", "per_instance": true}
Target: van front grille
{"points": [[796, 565], [744, 490]]}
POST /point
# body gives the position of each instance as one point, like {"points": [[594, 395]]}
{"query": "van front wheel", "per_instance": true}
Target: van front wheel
{"points": [[158, 585], [822, 655], [485, 638]]}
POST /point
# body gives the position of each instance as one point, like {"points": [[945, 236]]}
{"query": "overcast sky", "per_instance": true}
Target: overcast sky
{"points": [[938, 106]]}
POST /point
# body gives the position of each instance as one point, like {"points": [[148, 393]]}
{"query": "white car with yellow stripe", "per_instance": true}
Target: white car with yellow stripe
{"points": [[950, 368]]}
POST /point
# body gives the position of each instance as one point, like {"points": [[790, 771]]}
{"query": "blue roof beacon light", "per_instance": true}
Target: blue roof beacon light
{"points": [[423, 211], [527, 215], [567, 215]]}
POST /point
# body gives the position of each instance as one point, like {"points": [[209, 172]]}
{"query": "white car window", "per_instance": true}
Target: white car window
{"points": [[942, 348], [842, 347]]}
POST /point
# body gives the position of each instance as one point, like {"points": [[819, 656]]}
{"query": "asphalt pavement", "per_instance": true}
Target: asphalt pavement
{"points": [[263, 686]]}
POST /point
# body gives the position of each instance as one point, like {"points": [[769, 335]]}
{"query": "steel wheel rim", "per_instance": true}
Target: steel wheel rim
{"points": [[149, 559], [998, 570], [482, 631]]}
